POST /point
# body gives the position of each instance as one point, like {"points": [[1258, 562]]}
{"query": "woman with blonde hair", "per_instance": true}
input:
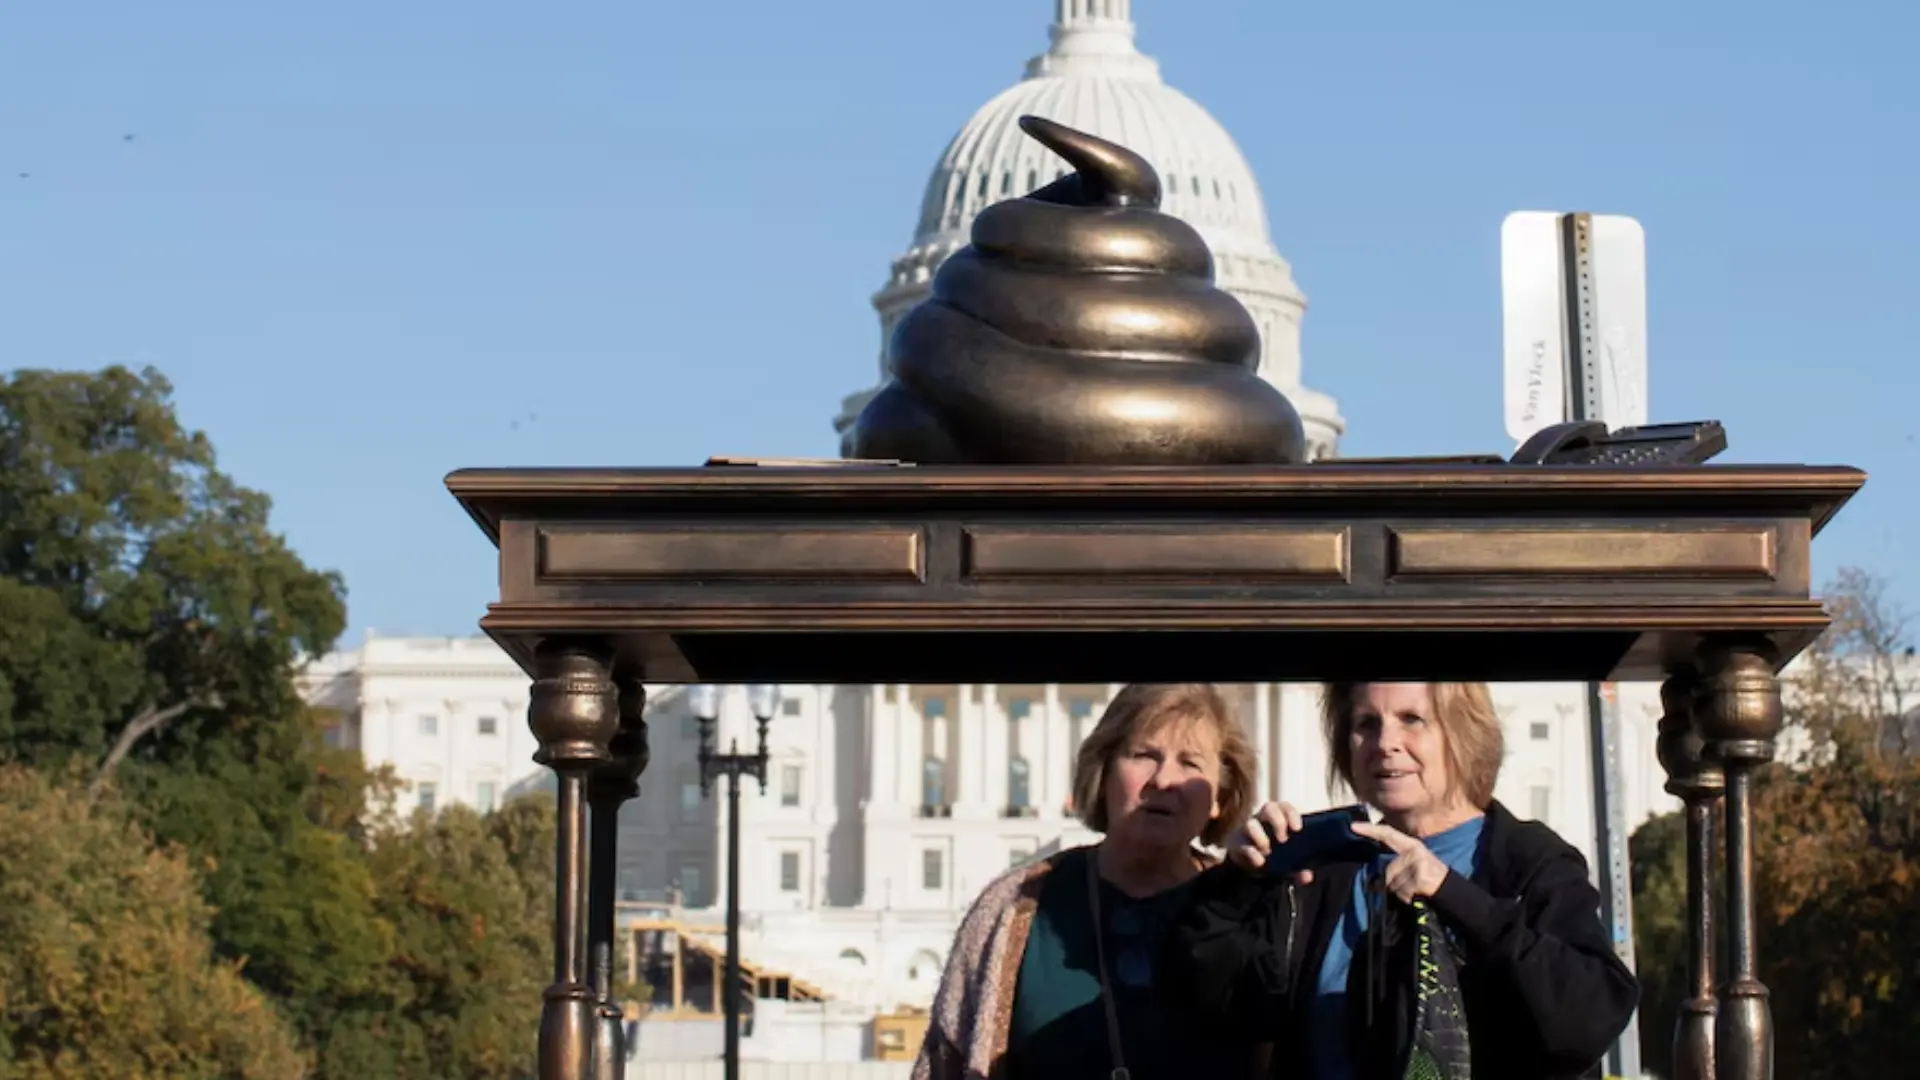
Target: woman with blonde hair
{"points": [[1469, 946], [1053, 971]]}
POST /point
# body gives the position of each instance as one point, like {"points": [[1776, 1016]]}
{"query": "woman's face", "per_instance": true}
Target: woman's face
{"points": [[1164, 783], [1399, 752]]}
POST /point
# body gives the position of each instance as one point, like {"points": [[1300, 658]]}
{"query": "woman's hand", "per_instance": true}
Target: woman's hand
{"points": [[1249, 846], [1415, 872]]}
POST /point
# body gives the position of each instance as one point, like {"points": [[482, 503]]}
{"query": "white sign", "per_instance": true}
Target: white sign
{"points": [[1533, 295], [1532, 298], [1620, 310]]}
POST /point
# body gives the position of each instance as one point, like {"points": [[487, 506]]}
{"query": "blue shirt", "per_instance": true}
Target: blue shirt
{"points": [[1459, 848]]}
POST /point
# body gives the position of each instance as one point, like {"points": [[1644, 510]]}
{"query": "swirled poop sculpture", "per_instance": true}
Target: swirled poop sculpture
{"points": [[1080, 327]]}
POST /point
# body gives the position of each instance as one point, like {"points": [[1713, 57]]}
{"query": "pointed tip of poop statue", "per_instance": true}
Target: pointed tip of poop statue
{"points": [[1081, 326], [1109, 174]]}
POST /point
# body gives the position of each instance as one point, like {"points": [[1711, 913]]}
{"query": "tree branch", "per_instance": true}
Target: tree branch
{"points": [[149, 720]]}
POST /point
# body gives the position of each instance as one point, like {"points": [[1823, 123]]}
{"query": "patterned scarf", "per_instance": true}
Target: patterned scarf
{"points": [[1440, 1049]]}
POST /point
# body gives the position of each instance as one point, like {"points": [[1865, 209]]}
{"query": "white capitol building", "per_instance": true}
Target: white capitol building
{"points": [[889, 807]]}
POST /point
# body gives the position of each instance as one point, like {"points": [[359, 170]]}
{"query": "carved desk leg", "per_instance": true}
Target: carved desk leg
{"points": [[574, 715], [1698, 783], [1739, 717], [611, 785]]}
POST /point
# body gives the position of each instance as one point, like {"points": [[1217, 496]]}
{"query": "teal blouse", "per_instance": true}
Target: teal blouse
{"points": [[1059, 1026]]}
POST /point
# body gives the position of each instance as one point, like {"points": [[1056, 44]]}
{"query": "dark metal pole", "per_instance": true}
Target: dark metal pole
{"points": [[1740, 717], [610, 786], [1698, 782], [570, 865], [608, 1061], [732, 994], [1745, 1030], [574, 714], [735, 766], [1693, 1057]]}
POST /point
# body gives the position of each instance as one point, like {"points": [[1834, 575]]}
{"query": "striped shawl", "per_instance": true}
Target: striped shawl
{"points": [[973, 1006]]}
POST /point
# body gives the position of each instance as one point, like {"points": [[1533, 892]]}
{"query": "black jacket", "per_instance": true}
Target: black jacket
{"points": [[1545, 996]]}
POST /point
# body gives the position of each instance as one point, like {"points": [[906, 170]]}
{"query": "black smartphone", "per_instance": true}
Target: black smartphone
{"points": [[1324, 837]]}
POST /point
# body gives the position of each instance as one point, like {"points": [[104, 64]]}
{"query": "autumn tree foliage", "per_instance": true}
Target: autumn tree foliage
{"points": [[1839, 849], [470, 904], [107, 967], [1837, 858], [272, 923]]}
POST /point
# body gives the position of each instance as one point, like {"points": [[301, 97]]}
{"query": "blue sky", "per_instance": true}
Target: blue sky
{"points": [[375, 242]]}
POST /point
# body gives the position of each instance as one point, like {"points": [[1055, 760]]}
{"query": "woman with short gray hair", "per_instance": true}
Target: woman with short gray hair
{"points": [[1467, 946]]}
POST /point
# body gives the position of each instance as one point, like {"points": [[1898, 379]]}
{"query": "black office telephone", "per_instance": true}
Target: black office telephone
{"points": [[1590, 443]]}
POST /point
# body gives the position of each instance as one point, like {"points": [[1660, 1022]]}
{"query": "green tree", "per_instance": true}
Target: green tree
{"points": [[150, 624], [150, 621], [291, 882], [142, 594], [470, 900], [106, 966], [1657, 854]]}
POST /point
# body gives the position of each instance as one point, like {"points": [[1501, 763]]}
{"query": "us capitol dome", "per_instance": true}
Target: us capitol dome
{"points": [[1094, 79]]}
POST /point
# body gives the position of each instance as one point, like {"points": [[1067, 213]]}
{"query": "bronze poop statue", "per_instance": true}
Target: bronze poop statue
{"points": [[1080, 327]]}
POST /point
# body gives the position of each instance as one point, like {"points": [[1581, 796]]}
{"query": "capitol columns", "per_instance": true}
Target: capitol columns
{"points": [[574, 714], [1698, 783], [1055, 789], [1738, 710]]}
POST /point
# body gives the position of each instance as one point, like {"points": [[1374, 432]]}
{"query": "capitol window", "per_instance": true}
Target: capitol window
{"points": [[789, 785], [429, 725], [1079, 712], [1019, 797], [1019, 708], [932, 868], [483, 796], [487, 725], [789, 871], [1541, 732], [933, 783], [690, 799], [1542, 797], [790, 707], [424, 794]]}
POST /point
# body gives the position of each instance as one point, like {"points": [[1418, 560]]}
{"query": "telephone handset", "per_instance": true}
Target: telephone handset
{"points": [[1588, 442]]}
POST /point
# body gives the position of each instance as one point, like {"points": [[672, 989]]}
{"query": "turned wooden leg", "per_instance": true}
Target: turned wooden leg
{"points": [[574, 714], [1698, 783], [1739, 714], [611, 785]]}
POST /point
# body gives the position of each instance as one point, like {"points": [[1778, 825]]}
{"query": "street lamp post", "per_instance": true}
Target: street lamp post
{"points": [[705, 703]]}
